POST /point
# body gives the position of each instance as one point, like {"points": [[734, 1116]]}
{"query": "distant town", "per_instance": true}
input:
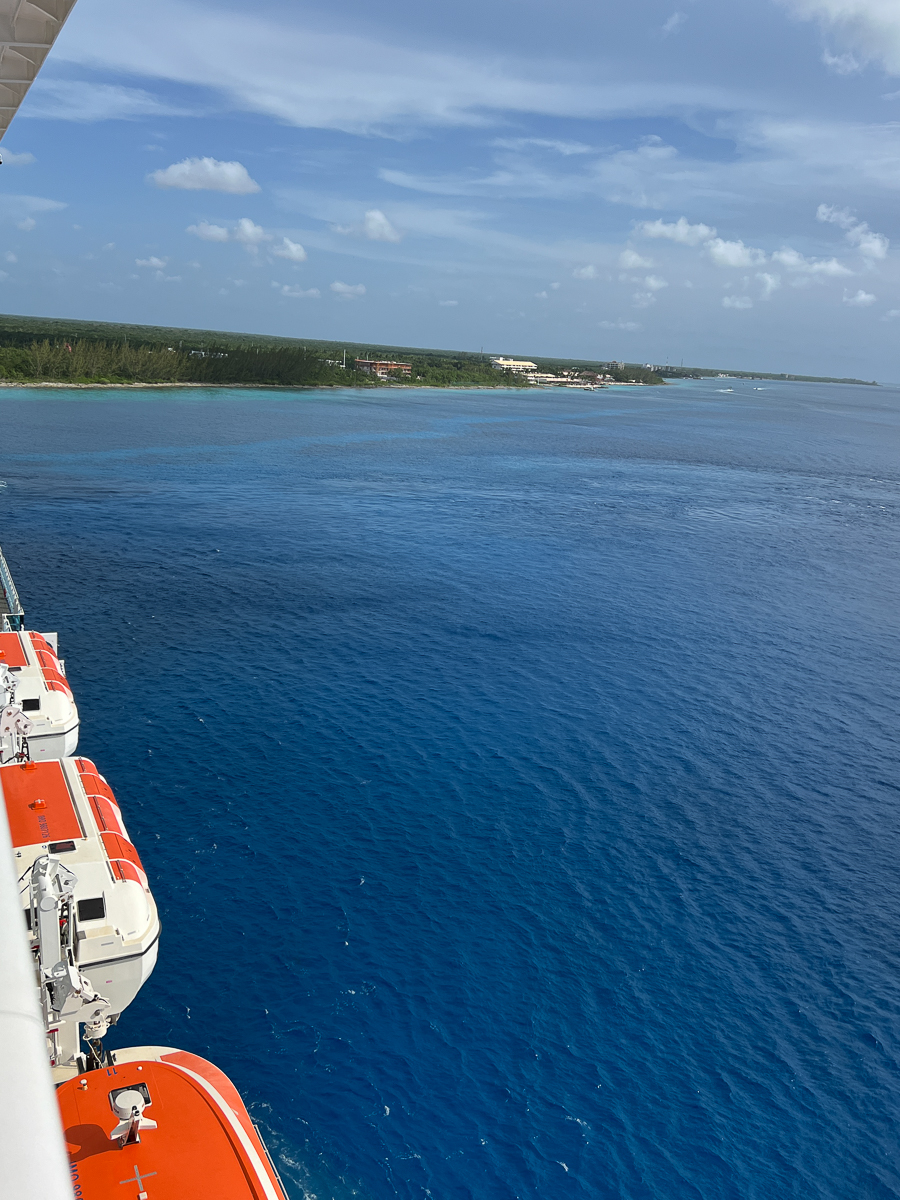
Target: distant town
{"points": [[524, 370]]}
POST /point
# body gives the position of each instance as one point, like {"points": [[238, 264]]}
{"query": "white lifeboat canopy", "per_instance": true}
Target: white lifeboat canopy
{"points": [[28, 29], [33, 679], [92, 920]]}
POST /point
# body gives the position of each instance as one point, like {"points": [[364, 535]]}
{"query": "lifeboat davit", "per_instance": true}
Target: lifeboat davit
{"points": [[166, 1125], [92, 920], [33, 679]]}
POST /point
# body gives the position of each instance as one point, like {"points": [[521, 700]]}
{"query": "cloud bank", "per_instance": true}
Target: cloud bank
{"points": [[868, 29]]}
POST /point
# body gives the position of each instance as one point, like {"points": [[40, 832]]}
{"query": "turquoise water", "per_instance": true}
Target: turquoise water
{"points": [[517, 774]]}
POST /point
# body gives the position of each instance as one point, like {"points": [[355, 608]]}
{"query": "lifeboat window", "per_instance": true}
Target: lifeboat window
{"points": [[91, 910], [31, 705], [60, 847]]}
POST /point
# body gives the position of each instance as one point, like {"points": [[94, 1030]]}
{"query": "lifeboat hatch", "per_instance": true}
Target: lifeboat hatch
{"points": [[132, 1087]]}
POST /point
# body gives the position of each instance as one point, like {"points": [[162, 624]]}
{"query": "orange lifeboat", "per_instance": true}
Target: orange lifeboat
{"points": [[33, 679], [92, 922], [163, 1125]]}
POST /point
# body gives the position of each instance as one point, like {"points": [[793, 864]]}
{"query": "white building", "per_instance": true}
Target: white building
{"points": [[519, 365]]}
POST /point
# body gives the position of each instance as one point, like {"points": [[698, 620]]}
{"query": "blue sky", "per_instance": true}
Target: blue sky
{"points": [[656, 181]]}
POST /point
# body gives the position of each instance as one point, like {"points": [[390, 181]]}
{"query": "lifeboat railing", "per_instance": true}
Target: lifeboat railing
{"points": [[12, 614]]}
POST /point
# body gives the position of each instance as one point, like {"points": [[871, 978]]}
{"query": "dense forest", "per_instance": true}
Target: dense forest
{"points": [[88, 361]]}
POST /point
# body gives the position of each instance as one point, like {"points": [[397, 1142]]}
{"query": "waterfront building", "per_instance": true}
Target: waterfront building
{"points": [[372, 366]]}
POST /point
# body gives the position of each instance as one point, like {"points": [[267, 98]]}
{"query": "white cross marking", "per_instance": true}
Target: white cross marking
{"points": [[138, 1178]]}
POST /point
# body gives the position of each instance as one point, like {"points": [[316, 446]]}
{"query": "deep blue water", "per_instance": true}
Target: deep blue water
{"points": [[517, 775]]}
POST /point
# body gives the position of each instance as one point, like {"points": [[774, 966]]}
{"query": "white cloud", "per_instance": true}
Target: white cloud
{"points": [[676, 231], [292, 251], [452, 303], [27, 225], [78, 100], [871, 245], [10, 257], [290, 289], [841, 64], [737, 302], [643, 299], [250, 234], [375, 226], [206, 174], [630, 260], [860, 300], [770, 283], [835, 216], [22, 209], [870, 29], [524, 143], [348, 291], [793, 260], [627, 326], [734, 254], [674, 22], [588, 272], [637, 176], [153, 261], [891, 314], [655, 284], [17, 160], [378, 228], [209, 233], [296, 72]]}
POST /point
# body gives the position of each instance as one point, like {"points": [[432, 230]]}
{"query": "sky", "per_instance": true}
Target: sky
{"points": [[701, 181]]}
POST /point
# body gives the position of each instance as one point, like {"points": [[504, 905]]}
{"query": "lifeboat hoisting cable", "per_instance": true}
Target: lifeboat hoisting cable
{"points": [[15, 727], [91, 918], [67, 996]]}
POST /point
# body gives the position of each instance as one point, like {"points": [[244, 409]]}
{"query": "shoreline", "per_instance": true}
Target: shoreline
{"points": [[311, 387]]}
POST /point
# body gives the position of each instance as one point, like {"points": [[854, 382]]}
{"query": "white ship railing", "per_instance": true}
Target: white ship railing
{"points": [[33, 1160], [11, 611]]}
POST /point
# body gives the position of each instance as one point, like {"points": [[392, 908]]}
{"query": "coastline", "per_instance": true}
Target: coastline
{"points": [[315, 387]]}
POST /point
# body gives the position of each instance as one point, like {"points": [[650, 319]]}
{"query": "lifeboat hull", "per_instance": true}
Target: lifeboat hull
{"points": [[202, 1143], [42, 691], [66, 810]]}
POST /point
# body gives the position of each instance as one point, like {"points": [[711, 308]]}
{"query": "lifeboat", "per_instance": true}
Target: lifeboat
{"points": [[33, 680], [163, 1125], [92, 921]]}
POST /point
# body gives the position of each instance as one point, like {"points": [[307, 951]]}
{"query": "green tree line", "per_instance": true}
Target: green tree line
{"points": [[86, 361], [89, 361]]}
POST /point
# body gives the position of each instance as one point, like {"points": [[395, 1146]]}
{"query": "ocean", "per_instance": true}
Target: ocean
{"points": [[516, 773]]}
